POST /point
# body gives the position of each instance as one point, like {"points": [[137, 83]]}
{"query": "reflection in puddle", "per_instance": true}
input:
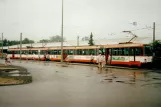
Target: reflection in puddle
{"points": [[157, 78], [156, 85], [14, 73], [15, 77], [107, 79], [121, 81], [140, 77]]}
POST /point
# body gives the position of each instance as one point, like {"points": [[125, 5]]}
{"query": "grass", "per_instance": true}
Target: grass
{"points": [[8, 80]]}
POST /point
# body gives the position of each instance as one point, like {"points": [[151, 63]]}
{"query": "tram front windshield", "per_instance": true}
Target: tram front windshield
{"points": [[147, 50]]}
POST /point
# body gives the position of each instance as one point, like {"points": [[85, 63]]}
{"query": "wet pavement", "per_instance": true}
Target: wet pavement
{"points": [[83, 86]]}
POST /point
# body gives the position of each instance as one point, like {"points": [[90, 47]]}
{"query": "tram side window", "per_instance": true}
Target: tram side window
{"points": [[17, 52], [126, 51], [26, 52], [101, 51], [9, 52], [147, 50], [85, 51], [30, 52], [59, 52], [34, 52], [42, 52], [50, 52], [55, 52], [75, 52], [92, 51], [121, 52], [131, 51], [138, 51], [70, 52], [79, 52], [67, 52], [95, 52], [115, 51], [135, 51], [4, 50], [23, 52]]}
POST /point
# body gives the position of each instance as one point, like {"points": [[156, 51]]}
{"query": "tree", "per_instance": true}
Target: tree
{"points": [[44, 41], [56, 38], [9, 43], [91, 40], [15, 42], [26, 41], [157, 48], [157, 53], [5, 42]]}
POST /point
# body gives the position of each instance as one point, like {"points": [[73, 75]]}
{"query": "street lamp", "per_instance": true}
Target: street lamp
{"points": [[62, 36], [2, 45], [77, 40]]}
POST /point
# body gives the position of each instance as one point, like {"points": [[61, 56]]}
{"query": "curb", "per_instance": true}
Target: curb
{"points": [[12, 84]]}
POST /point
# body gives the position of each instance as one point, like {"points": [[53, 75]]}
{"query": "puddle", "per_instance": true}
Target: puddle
{"points": [[15, 77], [108, 79], [15, 73], [120, 81], [153, 84], [156, 78], [139, 77]]}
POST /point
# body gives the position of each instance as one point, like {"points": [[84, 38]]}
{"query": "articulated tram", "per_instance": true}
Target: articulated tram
{"points": [[131, 54]]}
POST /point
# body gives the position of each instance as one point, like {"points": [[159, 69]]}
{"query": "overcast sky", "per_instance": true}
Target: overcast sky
{"points": [[41, 19]]}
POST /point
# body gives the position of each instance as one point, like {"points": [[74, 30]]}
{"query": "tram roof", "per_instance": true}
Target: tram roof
{"points": [[140, 40]]}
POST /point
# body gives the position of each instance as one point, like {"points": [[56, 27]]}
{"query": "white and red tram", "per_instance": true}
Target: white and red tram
{"points": [[117, 54]]}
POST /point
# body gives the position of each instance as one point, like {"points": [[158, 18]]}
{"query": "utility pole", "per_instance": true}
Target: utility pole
{"points": [[20, 45], [62, 36], [77, 40], [153, 41], [2, 45], [153, 31]]}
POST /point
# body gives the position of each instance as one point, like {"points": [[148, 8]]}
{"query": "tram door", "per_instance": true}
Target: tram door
{"points": [[64, 54], [107, 53], [39, 54], [13, 54], [132, 53]]}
